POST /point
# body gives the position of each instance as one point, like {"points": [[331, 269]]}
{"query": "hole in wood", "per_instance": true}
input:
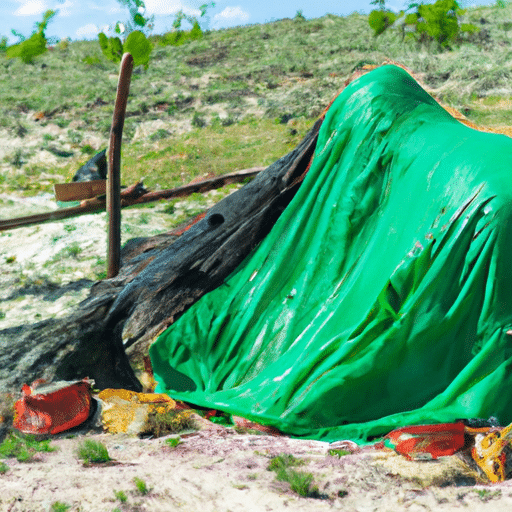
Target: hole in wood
{"points": [[216, 219]]}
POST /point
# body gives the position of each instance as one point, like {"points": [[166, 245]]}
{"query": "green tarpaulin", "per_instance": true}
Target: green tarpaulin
{"points": [[382, 297]]}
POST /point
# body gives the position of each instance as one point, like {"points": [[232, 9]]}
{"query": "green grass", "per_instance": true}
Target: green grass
{"points": [[121, 496], [301, 482], [338, 453], [141, 486], [93, 451], [23, 447], [173, 442], [58, 506], [231, 88]]}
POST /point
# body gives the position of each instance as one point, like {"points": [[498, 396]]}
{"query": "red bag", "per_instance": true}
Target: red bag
{"points": [[427, 441], [52, 408]]}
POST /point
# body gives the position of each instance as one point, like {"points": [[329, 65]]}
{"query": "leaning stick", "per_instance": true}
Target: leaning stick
{"points": [[114, 168]]}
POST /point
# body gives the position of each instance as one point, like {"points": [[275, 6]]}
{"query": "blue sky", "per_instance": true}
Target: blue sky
{"points": [[83, 19]]}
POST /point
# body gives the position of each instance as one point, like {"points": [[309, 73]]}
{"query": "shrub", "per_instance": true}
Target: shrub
{"points": [[437, 22], [379, 21], [35, 45], [136, 43]]}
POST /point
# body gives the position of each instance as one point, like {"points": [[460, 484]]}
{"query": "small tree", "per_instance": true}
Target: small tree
{"points": [[438, 22], [136, 41], [35, 45], [179, 36], [382, 18]]}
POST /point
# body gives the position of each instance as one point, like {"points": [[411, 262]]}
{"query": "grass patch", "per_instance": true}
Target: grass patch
{"points": [[121, 496], [173, 442], [93, 451], [141, 486], [59, 506], [23, 447], [170, 422], [338, 453], [301, 482]]}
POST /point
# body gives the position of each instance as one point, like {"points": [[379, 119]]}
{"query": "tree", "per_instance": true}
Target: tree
{"points": [[35, 45]]}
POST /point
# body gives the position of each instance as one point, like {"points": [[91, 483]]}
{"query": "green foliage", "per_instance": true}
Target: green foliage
{"points": [[26, 51], [58, 506], [136, 43], [179, 36], [3, 468], [141, 486], [333, 452], [173, 442], [35, 45], [23, 447], [3, 44], [93, 451], [300, 481], [121, 496], [380, 20], [437, 22], [111, 47], [299, 16], [138, 20], [140, 47]]}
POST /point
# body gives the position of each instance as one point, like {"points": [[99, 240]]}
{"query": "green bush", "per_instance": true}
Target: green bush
{"points": [[437, 22], [111, 47], [140, 47], [379, 21], [136, 43], [35, 45]]}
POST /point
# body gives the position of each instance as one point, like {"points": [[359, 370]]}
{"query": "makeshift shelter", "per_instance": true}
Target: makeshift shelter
{"points": [[382, 297]]}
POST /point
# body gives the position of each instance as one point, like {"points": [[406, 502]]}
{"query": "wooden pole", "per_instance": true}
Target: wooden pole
{"points": [[114, 168]]}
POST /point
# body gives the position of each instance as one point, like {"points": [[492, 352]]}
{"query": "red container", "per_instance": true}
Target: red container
{"points": [[427, 441], [52, 408]]}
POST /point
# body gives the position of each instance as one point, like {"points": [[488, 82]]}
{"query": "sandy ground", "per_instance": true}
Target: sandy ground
{"points": [[221, 470]]}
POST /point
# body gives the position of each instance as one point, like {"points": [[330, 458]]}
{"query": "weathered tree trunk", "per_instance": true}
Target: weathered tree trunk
{"points": [[160, 278]]}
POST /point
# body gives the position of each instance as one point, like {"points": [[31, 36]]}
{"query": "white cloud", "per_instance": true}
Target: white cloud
{"points": [[166, 8], [30, 7], [87, 30], [63, 8], [230, 16]]}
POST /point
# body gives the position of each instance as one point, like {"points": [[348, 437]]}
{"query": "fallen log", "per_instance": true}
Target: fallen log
{"points": [[160, 277]]}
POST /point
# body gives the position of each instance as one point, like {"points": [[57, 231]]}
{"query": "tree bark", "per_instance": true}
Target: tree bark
{"points": [[159, 279]]}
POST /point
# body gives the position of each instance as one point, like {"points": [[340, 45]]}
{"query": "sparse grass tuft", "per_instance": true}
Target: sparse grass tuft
{"points": [[93, 451], [59, 506], [338, 453], [121, 496], [141, 486], [173, 442]]}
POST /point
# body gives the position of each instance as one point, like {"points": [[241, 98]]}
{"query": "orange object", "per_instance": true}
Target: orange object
{"points": [[489, 452], [427, 441], [52, 408]]}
